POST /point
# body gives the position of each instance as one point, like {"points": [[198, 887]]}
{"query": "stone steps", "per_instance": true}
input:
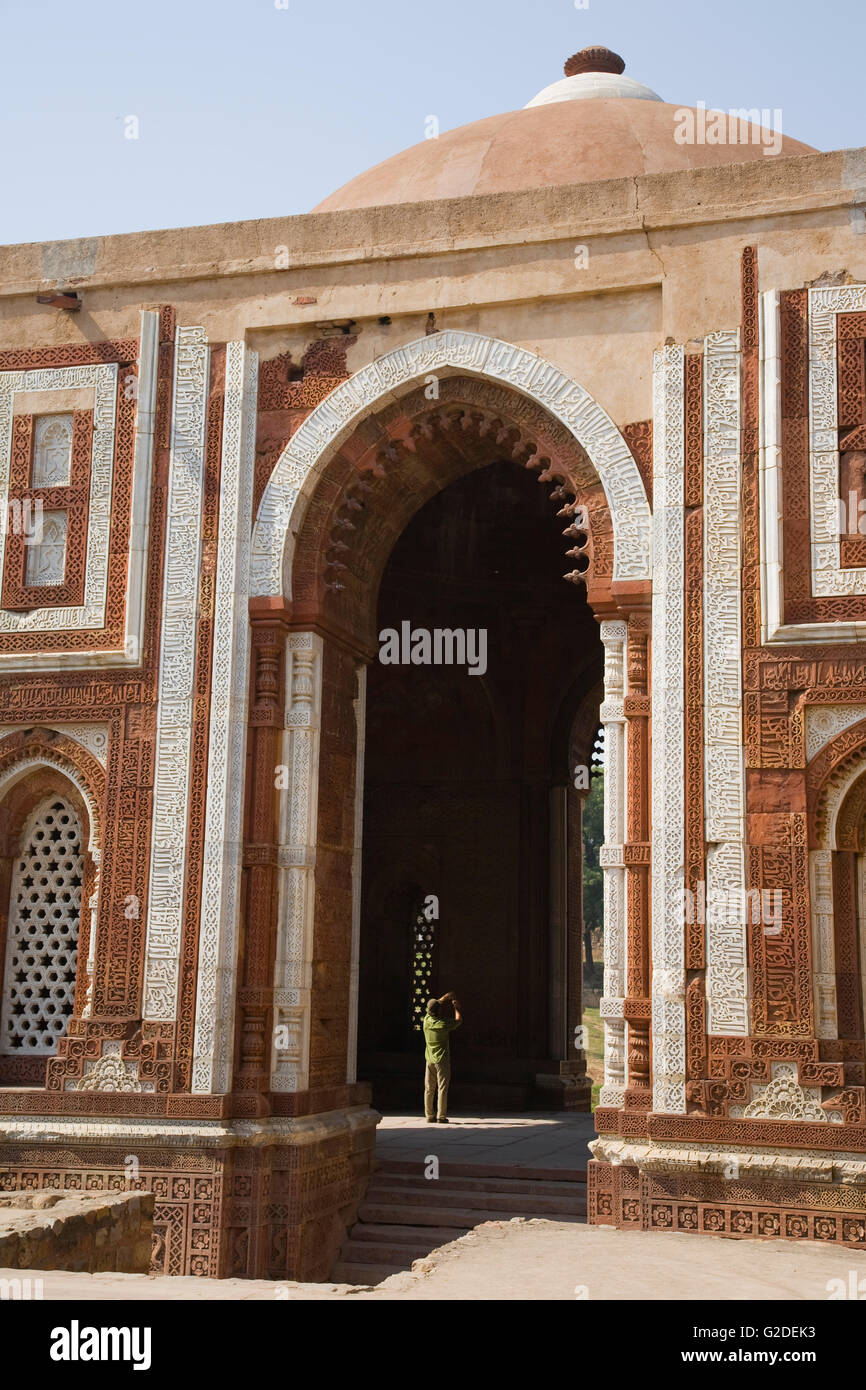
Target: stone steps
{"points": [[405, 1216], [514, 1172], [504, 1204], [402, 1234], [465, 1217], [397, 1255], [516, 1187]]}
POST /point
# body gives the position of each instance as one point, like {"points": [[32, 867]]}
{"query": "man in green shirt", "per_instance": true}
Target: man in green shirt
{"points": [[437, 1055]]}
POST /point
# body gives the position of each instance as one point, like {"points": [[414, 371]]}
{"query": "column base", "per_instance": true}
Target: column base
{"points": [[248, 1199], [566, 1090], [733, 1194]]}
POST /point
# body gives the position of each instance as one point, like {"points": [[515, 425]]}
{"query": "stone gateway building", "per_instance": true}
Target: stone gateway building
{"points": [[603, 339]]}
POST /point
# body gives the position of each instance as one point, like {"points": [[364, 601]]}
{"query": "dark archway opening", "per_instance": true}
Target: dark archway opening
{"points": [[471, 858]]}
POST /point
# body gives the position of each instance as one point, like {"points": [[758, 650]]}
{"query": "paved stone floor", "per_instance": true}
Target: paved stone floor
{"points": [[519, 1141], [531, 1260]]}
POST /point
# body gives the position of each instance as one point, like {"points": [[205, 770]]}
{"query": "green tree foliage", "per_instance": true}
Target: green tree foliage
{"points": [[593, 839]]}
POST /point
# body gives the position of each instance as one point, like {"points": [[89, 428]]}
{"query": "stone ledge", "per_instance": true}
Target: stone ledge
{"points": [[167, 1133], [764, 1165], [688, 197], [86, 1234]]}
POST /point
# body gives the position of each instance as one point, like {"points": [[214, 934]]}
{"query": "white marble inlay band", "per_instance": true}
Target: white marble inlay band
{"points": [[727, 963], [218, 940], [165, 899], [668, 724]]}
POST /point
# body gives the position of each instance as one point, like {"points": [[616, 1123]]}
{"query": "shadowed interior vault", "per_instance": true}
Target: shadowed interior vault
{"points": [[469, 797]]}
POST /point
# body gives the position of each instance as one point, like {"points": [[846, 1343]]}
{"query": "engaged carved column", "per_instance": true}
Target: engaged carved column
{"points": [[360, 704], [727, 977], [92, 900], [256, 969], [637, 858], [668, 733], [613, 635], [559, 961], [296, 859], [848, 1001], [823, 944], [574, 929]]}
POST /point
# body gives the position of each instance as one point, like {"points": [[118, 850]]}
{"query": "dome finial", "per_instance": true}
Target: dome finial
{"points": [[597, 58]]}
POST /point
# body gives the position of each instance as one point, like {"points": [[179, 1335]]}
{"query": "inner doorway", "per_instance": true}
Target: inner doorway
{"points": [[472, 839]]}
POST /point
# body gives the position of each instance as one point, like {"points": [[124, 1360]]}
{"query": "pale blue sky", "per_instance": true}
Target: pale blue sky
{"points": [[248, 110]]}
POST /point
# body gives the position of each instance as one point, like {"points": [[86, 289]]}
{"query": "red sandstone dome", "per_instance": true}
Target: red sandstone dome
{"points": [[592, 124]]}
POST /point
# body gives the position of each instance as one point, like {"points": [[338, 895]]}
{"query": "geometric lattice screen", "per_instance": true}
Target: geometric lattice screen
{"points": [[42, 935], [422, 968], [596, 764]]}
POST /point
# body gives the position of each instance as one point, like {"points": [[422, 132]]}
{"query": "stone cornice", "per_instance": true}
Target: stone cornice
{"points": [[731, 193]]}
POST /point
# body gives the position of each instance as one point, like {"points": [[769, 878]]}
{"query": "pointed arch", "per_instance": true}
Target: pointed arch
{"points": [[394, 374], [25, 750]]}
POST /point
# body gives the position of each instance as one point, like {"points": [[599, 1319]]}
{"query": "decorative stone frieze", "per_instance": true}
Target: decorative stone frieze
{"points": [[668, 741], [110, 1072], [176, 669], [727, 973], [824, 722], [93, 737], [220, 899], [783, 1099]]}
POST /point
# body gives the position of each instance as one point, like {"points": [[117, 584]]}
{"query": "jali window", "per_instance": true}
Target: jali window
{"points": [[423, 942], [42, 931]]}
